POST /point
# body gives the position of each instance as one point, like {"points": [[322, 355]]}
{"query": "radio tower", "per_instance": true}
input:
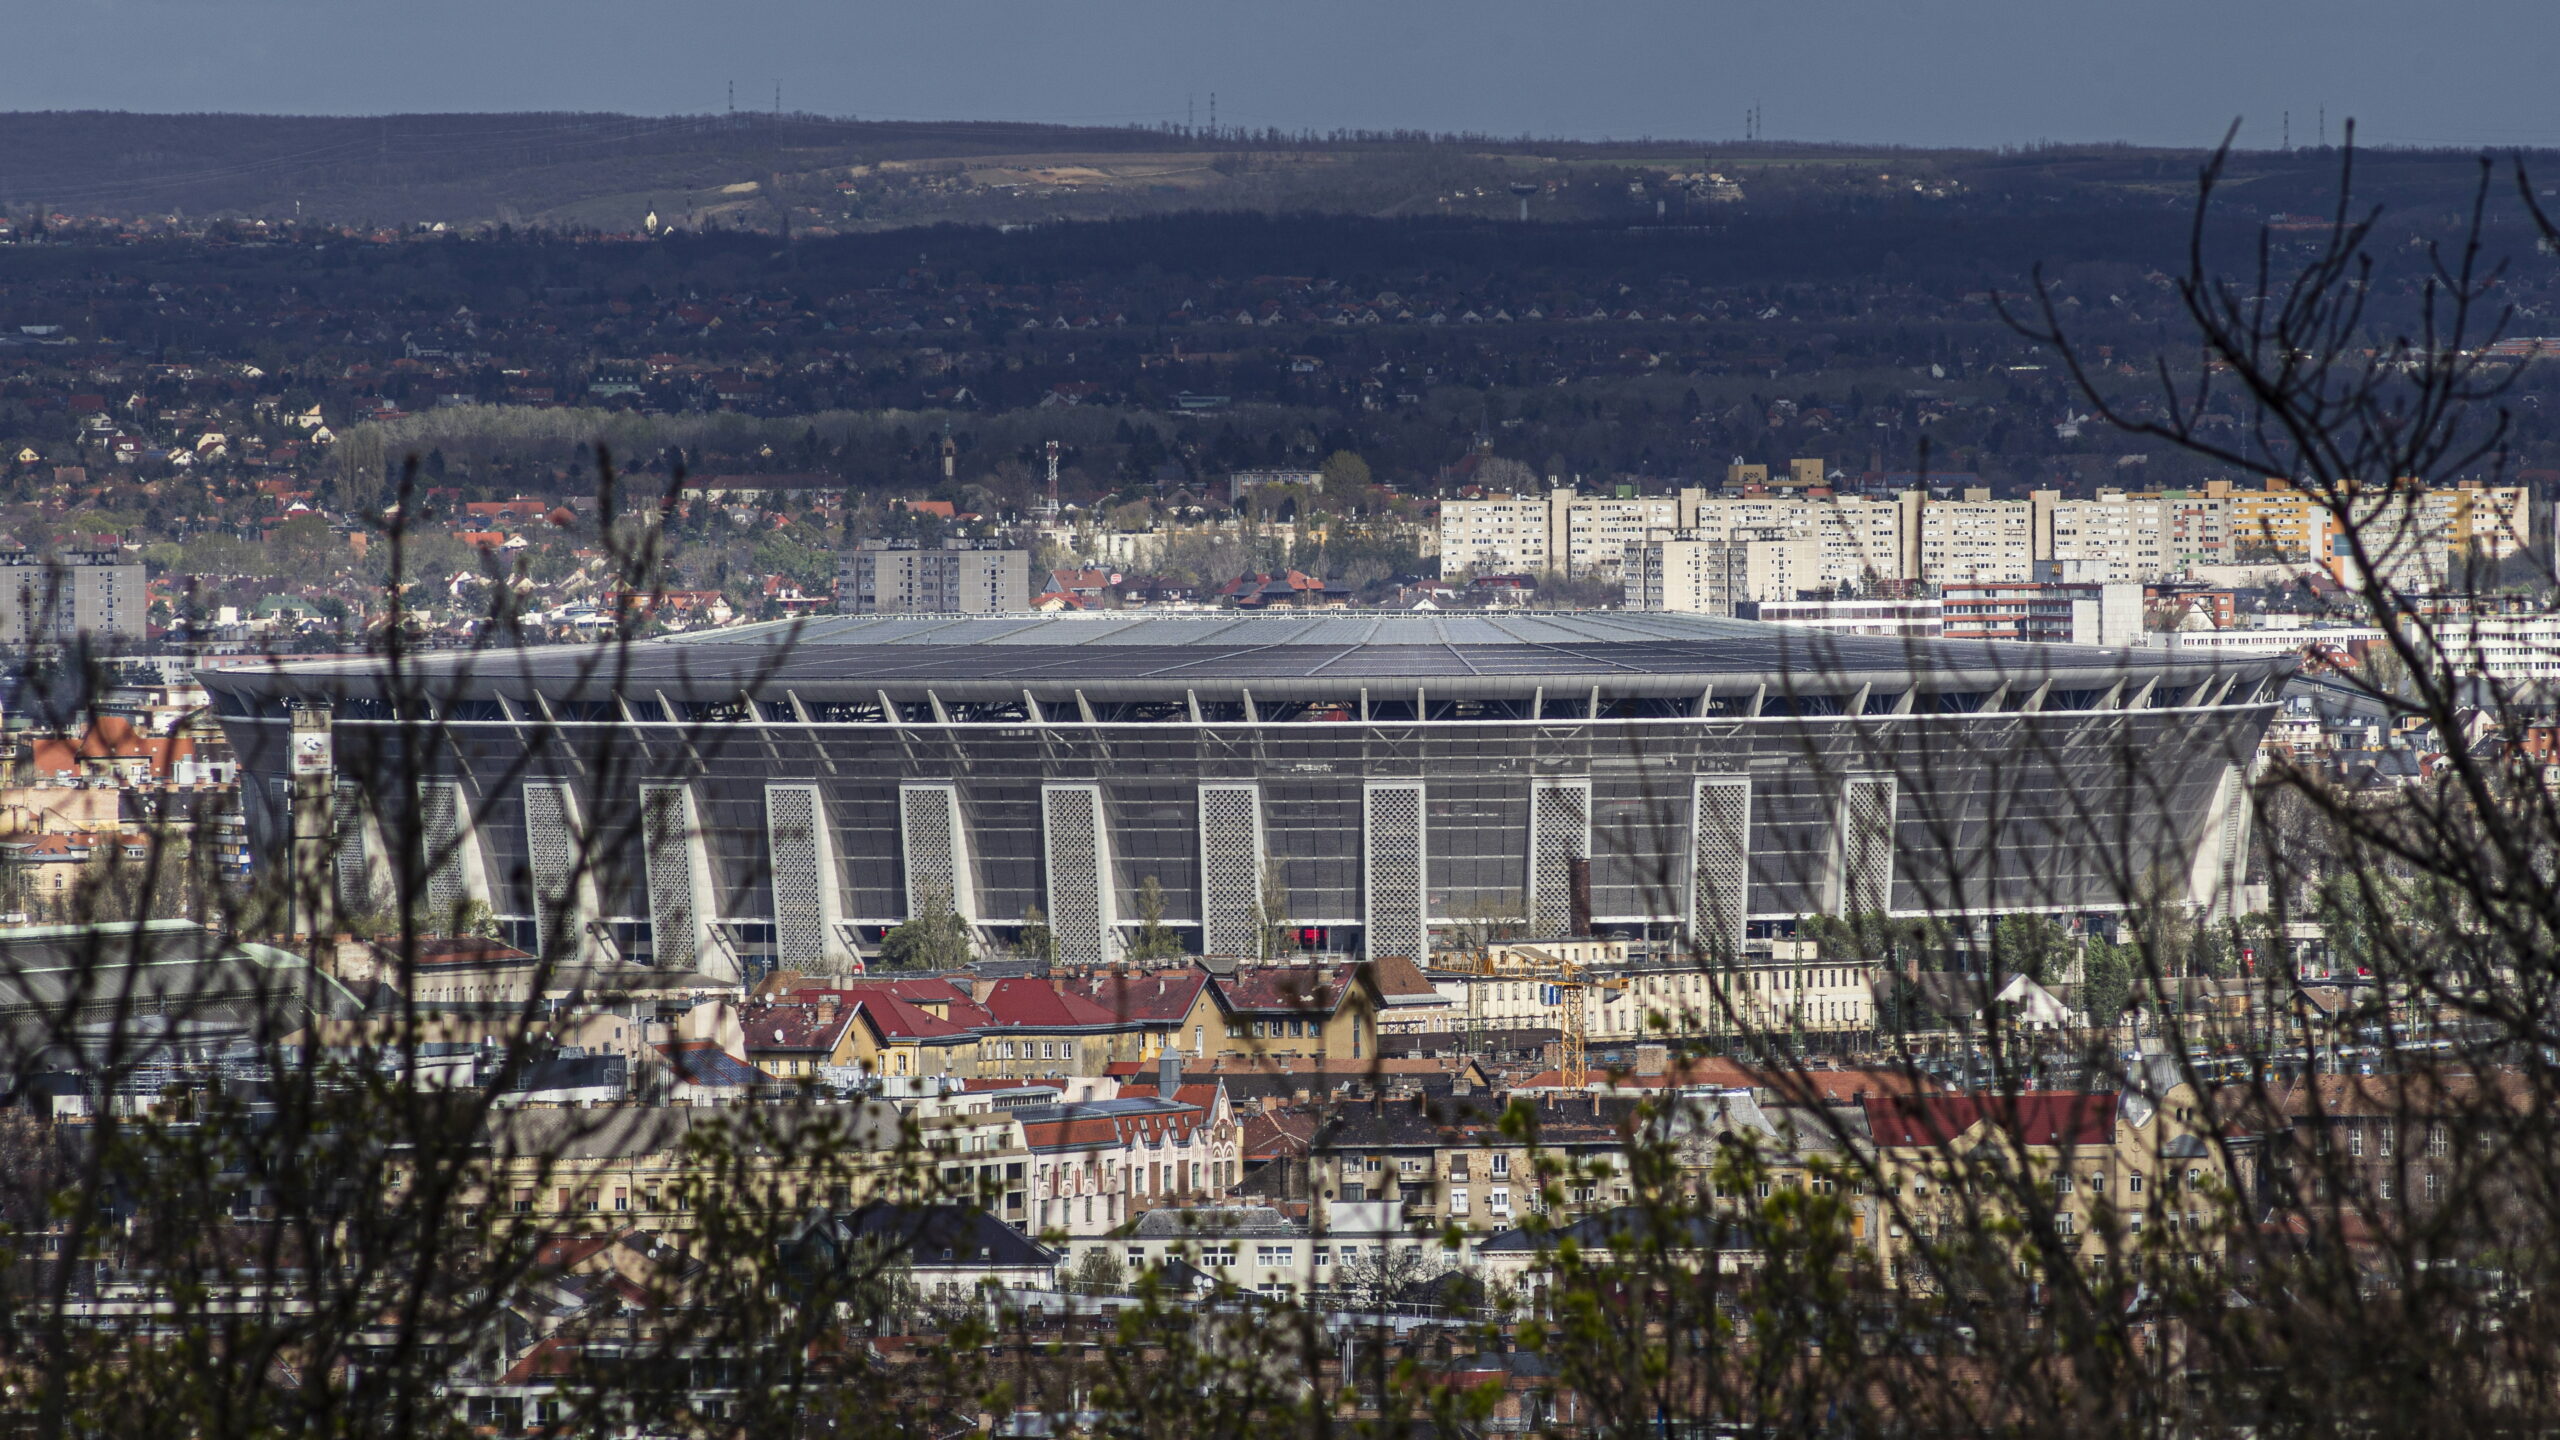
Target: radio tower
{"points": [[1053, 479]]}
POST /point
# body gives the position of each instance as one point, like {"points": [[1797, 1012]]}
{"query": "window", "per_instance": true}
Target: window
{"points": [[2355, 1140], [1501, 1166], [1458, 1201], [2133, 1183], [2436, 1141], [1270, 1256], [2195, 1178], [2097, 1184], [2386, 1187], [2386, 1139], [2431, 1185], [1458, 1167], [2062, 1182]]}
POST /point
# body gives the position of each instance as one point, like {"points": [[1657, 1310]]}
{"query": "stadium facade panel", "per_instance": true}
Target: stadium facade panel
{"points": [[785, 794]]}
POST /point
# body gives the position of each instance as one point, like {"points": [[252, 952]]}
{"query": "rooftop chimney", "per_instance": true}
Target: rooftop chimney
{"points": [[1168, 1072]]}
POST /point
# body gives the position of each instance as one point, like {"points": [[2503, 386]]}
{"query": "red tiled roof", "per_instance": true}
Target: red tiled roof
{"points": [[1027, 1003], [559, 1252], [1078, 1130], [1147, 997], [1278, 1134], [552, 1355], [793, 1026], [2038, 1117], [894, 1019], [1203, 1095], [1287, 990]]}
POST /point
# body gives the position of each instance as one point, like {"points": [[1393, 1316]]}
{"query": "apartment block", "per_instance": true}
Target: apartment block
{"points": [[2113, 537], [1977, 539], [1721, 575], [1497, 535], [877, 580], [2108, 614], [93, 595]]}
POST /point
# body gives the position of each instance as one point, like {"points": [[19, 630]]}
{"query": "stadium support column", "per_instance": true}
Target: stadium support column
{"points": [[678, 865], [1083, 892], [1231, 918], [456, 874], [936, 851], [1559, 840], [1862, 845], [312, 765], [808, 898], [561, 864], [1719, 866], [2222, 849], [1393, 917]]}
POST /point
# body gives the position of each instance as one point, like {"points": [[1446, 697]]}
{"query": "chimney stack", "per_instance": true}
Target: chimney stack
{"points": [[1168, 1072]]}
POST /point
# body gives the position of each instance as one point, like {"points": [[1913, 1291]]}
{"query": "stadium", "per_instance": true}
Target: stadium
{"points": [[1341, 782]]}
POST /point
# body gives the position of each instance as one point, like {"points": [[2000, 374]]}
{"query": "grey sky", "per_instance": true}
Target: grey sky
{"points": [[1973, 72]]}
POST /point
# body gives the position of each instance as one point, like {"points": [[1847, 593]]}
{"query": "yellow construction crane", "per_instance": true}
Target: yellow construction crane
{"points": [[1567, 978]]}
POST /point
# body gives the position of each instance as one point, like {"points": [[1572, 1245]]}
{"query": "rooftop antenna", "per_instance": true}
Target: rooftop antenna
{"points": [[777, 99], [2288, 132], [1213, 113], [733, 98], [1053, 479]]}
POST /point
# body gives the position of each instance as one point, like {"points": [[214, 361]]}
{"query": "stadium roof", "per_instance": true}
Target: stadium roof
{"points": [[965, 656]]}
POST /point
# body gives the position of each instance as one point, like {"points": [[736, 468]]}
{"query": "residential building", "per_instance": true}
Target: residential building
{"points": [[1917, 619], [1095, 1164], [2116, 536], [1976, 538], [93, 595], [2108, 614], [879, 579], [1243, 482], [1497, 534], [1719, 576]]}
